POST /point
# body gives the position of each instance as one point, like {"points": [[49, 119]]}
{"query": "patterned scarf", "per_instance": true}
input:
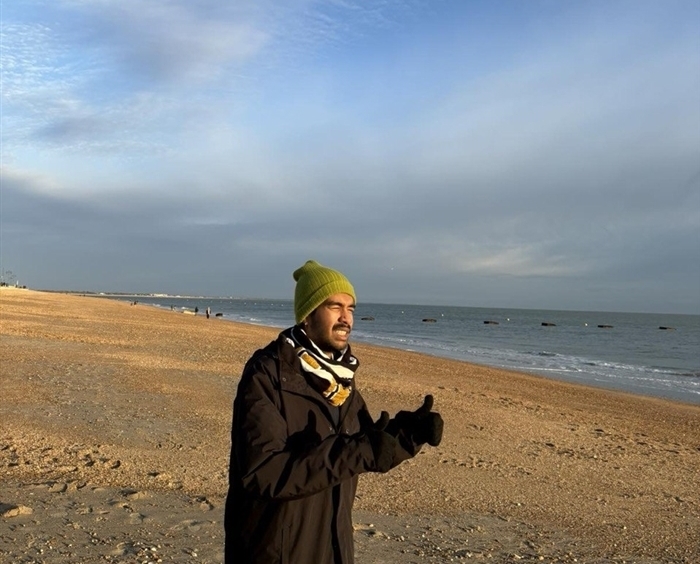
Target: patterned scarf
{"points": [[332, 378]]}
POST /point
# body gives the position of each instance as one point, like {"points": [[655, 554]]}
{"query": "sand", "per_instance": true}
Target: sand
{"points": [[114, 443]]}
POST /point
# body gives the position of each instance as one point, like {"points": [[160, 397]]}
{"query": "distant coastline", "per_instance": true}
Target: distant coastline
{"points": [[160, 295]]}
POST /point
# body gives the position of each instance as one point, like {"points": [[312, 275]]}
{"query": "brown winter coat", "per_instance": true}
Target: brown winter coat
{"points": [[293, 470]]}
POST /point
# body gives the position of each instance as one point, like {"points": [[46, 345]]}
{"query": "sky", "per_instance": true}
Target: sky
{"points": [[518, 154]]}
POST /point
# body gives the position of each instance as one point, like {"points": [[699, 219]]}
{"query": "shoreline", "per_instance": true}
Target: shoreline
{"points": [[101, 398], [89, 293], [682, 395]]}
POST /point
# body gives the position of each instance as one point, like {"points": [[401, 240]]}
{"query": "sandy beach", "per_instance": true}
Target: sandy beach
{"points": [[115, 438]]}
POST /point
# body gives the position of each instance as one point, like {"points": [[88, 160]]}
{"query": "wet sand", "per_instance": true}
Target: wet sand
{"points": [[115, 436]]}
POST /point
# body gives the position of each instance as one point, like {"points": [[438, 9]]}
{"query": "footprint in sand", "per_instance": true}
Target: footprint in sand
{"points": [[136, 519], [58, 487], [134, 494], [368, 530], [190, 525], [8, 510], [205, 504]]}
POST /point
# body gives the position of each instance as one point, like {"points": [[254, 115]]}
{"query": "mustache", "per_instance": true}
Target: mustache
{"points": [[342, 326]]}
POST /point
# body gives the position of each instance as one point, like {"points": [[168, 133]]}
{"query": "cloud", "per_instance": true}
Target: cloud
{"points": [[162, 40], [235, 141]]}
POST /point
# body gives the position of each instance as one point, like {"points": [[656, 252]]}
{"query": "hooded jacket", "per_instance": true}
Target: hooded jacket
{"points": [[294, 466]]}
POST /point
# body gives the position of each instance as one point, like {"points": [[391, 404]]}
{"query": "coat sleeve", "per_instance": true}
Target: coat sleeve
{"points": [[272, 465], [408, 448]]}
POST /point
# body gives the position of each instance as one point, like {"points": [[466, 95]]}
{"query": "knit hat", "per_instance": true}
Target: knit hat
{"points": [[315, 284]]}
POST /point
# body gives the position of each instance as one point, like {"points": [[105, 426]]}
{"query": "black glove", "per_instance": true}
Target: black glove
{"points": [[383, 444], [422, 425]]}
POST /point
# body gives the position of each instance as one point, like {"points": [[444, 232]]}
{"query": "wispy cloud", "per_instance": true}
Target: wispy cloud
{"points": [[448, 140]]}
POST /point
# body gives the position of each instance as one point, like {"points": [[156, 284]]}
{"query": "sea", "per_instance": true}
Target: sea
{"points": [[643, 353]]}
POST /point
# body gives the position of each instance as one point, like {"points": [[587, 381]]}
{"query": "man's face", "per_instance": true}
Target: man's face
{"points": [[330, 324]]}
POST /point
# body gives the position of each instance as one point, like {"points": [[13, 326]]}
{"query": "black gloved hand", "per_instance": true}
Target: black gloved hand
{"points": [[383, 444], [422, 425]]}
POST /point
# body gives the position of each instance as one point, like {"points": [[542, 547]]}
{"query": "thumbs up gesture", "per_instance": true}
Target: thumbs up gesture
{"points": [[422, 425]]}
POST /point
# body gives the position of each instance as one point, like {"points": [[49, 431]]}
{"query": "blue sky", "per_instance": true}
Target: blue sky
{"points": [[534, 154]]}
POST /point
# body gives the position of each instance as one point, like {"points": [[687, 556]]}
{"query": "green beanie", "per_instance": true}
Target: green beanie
{"points": [[315, 284]]}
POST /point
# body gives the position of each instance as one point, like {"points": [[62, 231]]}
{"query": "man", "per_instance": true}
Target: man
{"points": [[302, 435]]}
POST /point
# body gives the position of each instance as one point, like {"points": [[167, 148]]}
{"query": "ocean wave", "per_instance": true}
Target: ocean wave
{"points": [[638, 362], [689, 374]]}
